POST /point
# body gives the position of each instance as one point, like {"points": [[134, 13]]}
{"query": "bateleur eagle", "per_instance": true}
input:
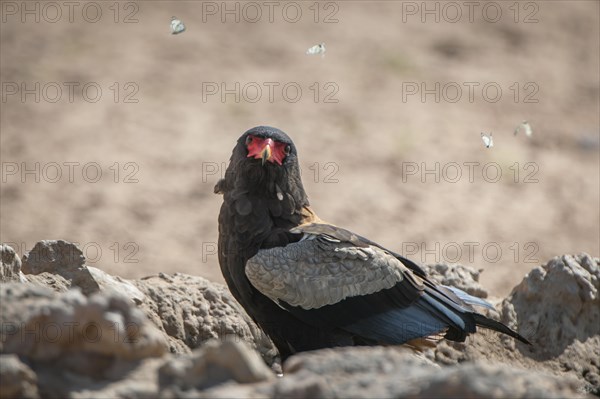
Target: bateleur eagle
{"points": [[310, 284]]}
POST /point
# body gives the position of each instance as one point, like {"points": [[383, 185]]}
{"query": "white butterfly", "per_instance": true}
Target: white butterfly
{"points": [[488, 141], [526, 127], [176, 26], [317, 49]]}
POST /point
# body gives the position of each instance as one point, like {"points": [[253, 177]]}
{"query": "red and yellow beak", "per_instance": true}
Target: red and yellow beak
{"points": [[266, 149]]}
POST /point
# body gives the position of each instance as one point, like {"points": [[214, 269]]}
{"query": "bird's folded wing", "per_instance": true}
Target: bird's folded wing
{"points": [[326, 268], [321, 228]]}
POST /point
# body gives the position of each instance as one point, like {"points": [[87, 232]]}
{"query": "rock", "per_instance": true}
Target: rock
{"points": [[234, 356], [53, 256], [233, 390], [557, 303], [83, 335], [361, 372], [304, 385], [14, 299], [191, 310], [55, 282], [18, 380], [60, 258], [461, 277], [65, 259], [10, 269], [107, 282], [583, 360], [556, 307], [188, 310], [70, 330], [352, 372], [215, 363], [476, 380], [137, 380]]}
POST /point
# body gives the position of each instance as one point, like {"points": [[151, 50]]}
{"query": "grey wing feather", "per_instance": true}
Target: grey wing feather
{"points": [[322, 271]]}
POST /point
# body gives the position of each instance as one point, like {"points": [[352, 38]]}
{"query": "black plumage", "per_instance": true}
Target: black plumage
{"points": [[309, 284]]}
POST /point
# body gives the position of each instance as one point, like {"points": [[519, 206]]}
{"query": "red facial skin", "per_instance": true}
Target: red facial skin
{"points": [[275, 151]]}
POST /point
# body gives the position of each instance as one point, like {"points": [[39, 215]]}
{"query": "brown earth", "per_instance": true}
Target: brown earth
{"points": [[175, 144]]}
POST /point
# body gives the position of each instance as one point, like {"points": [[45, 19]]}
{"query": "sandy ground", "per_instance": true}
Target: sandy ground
{"points": [[380, 154]]}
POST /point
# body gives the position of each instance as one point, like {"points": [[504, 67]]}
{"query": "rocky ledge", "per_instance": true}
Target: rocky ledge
{"points": [[72, 331]]}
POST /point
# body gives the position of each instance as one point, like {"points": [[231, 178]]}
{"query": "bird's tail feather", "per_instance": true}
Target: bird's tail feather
{"points": [[444, 295], [483, 321], [470, 299]]}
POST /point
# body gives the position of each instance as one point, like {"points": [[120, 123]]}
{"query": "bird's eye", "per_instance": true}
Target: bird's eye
{"points": [[248, 140], [287, 149]]}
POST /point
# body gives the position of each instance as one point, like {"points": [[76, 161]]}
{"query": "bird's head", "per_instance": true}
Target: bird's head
{"points": [[268, 144], [265, 161]]}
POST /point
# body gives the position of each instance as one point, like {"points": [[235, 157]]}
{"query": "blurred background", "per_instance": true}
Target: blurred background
{"points": [[114, 131]]}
